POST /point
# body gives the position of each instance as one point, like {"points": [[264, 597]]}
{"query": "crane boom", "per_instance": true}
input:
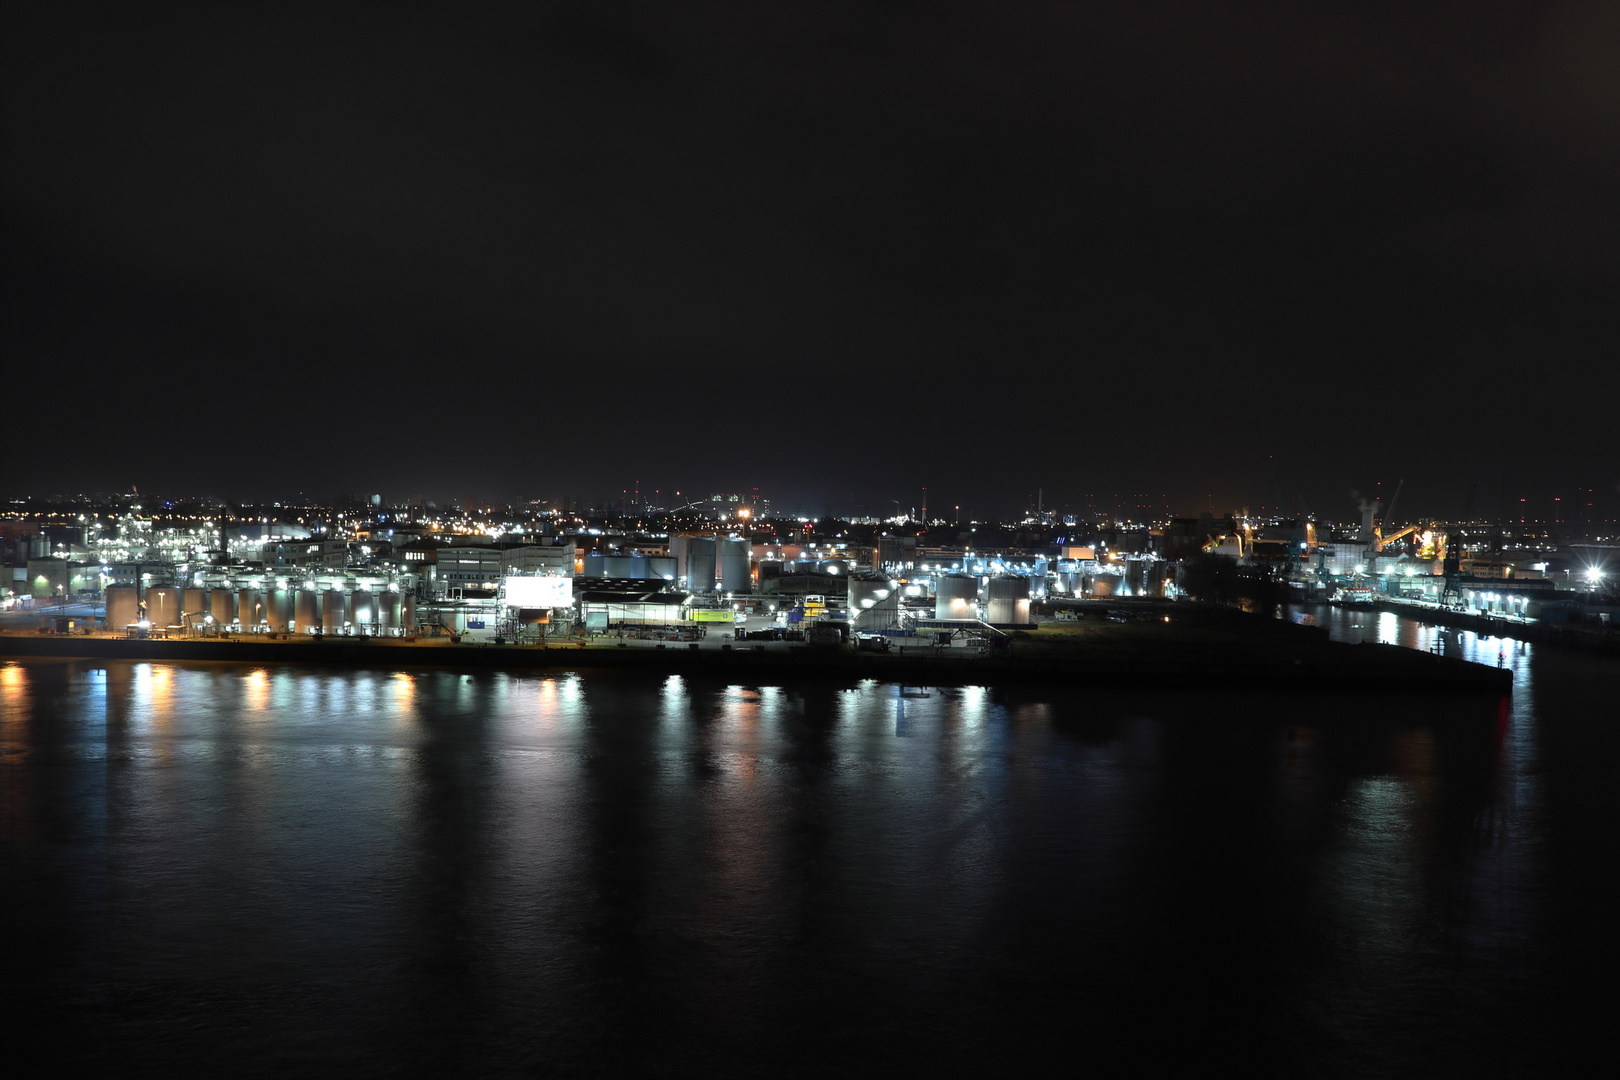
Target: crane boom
{"points": [[1385, 541]]}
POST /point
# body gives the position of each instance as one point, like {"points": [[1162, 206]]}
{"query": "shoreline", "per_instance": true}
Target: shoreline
{"points": [[1559, 635], [1162, 664]]}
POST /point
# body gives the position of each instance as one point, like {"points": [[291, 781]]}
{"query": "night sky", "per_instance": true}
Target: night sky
{"points": [[1189, 251]]}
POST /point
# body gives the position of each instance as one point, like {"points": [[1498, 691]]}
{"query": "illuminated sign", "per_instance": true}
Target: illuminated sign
{"points": [[538, 592], [710, 615]]}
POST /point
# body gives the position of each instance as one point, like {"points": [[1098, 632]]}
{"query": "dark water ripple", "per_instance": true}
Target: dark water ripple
{"points": [[260, 870]]}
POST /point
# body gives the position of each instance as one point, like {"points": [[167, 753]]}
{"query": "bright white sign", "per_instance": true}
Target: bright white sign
{"points": [[539, 592]]}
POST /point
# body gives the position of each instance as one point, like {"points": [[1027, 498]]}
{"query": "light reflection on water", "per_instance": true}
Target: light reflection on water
{"points": [[446, 872]]}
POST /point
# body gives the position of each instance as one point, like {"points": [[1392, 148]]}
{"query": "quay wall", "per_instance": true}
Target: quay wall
{"points": [[1348, 668]]}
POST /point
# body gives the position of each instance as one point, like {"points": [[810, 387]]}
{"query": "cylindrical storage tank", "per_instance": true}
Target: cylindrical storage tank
{"points": [[163, 605], [121, 606], [833, 566], [222, 606], [362, 611], [1106, 585], [595, 566], [874, 600], [700, 564], [956, 596], [249, 608], [307, 611], [619, 566], [1008, 601], [407, 612], [734, 576], [194, 605], [278, 609], [387, 612], [334, 611], [662, 567]]}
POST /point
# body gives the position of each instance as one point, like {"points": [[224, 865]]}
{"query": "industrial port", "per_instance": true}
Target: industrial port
{"points": [[729, 577]]}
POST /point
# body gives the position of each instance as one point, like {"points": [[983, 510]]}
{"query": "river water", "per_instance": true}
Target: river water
{"points": [[264, 870]]}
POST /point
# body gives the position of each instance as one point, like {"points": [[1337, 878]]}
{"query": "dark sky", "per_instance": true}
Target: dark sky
{"points": [[1192, 251]]}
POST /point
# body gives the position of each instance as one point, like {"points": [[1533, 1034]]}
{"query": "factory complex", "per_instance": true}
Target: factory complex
{"points": [[737, 572]]}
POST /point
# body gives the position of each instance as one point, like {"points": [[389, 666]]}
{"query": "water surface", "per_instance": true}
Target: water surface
{"points": [[263, 869]]}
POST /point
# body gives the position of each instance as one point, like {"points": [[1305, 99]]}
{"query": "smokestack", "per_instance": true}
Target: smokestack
{"points": [[1368, 508]]}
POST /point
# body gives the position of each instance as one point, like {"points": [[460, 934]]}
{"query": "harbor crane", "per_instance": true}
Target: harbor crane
{"points": [[1379, 540]]}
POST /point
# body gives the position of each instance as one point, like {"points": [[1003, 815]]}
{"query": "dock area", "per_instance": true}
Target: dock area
{"points": [[1218, 654]]}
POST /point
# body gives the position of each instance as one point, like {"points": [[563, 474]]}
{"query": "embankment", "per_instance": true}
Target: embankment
{"points": [[1163, 660]]}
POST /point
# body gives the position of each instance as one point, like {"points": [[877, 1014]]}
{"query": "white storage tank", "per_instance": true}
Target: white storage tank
{"points": [[222, 606], [662, 567], [874, 600], [278, 609], [307, 611], [1008, 601], [595, 566], [249, 608], [956, 596], [619, 566], [362, 611], [121, 606], [334, 611], [407, 612], [700, 564], [387, 612], [734, 558]]}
